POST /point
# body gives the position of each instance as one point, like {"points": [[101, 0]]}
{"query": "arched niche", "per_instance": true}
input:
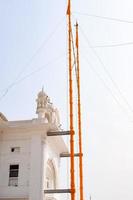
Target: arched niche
{"points": [[50, 178]]}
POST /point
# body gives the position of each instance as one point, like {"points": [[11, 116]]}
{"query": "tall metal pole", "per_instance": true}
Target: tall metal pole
{"points": [[71, 104], [79, 118]]}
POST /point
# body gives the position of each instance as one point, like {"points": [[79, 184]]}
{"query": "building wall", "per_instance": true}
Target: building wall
{"points": [[8, 140], [13, 199], [36, 150]]}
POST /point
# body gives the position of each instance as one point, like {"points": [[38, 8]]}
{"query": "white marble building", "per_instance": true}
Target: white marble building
{"points": [[29, 159]]}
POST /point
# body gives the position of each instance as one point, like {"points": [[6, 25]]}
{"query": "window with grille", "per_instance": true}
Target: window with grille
{"points": [[15, 149], [13, 175]]}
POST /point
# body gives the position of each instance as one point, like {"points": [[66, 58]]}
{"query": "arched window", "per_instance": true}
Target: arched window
{"points": [[50, 176]]}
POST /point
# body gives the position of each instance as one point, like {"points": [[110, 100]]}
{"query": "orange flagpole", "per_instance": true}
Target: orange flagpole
{"points": [[79, 118], [71, 104]]}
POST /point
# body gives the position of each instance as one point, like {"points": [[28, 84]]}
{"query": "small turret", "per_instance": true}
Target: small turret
{"points": [[42, 101], [46, 110]]}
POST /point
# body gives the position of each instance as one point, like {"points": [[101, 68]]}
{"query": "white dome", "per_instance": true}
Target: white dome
{"points": [[42, 93]]}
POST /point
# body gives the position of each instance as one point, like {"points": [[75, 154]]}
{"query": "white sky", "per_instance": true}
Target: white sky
{"points": [[107, 126]]}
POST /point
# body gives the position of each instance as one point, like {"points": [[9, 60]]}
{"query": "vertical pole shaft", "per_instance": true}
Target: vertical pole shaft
{"points": [[79, 117], [71, 104]]}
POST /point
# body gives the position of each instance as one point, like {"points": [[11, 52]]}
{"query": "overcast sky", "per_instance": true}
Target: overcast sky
{"points": [[33, 53]]}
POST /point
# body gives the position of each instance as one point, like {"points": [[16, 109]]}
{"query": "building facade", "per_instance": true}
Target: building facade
{"points": [[29, 159]]}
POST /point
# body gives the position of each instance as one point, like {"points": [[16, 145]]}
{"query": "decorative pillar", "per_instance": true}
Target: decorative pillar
{"points": [[35, 185], [44, 164]]}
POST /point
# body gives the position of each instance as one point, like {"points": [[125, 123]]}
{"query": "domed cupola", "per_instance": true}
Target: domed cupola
{"points": [[46, 110], [42, 101]]}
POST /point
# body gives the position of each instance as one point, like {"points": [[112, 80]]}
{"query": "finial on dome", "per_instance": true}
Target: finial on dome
{"points": [[42, 88]]}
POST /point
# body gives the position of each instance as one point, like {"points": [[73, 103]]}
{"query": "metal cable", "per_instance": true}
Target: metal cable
{"points": [[104, 17], [107, 72], [31, 74], [44, 43]]}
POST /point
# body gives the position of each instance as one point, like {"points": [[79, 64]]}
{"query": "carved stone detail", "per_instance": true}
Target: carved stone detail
{"points": [[46, 110]]}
